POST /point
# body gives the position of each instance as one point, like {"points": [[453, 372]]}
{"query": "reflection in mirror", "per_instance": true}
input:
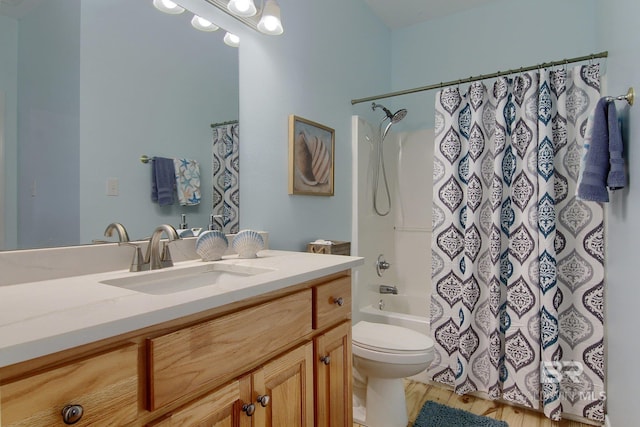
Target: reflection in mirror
{"points": [[87, 87]]}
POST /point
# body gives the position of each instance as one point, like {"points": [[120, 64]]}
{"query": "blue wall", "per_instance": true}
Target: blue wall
{"points": [[157, 96], [619, 34], [331, 51], [9, 152], [502, 35], [48, 125]]}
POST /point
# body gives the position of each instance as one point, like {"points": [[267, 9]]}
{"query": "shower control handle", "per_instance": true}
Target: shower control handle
{"points": [[381, 265]]}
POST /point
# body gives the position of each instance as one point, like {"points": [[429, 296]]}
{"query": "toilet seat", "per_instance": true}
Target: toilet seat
{"points": [[390, 343]]}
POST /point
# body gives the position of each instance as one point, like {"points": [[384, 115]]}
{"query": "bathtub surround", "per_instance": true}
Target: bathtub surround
{"points": [[517, 260], [403, 236]]}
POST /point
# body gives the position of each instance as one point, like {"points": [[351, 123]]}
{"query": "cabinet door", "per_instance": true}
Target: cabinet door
{"points": [[221, 408], [334, 405], [288, 383]]}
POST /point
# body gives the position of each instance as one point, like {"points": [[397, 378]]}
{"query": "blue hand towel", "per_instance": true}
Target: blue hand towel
{"points": [[603, 165], [163, 181], [617, 178]]}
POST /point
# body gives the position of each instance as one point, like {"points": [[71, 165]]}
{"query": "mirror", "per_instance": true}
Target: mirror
{"points": [[86, 88]]}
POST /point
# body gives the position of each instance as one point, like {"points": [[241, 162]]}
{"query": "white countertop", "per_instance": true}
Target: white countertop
{"points": [[44, 317]]}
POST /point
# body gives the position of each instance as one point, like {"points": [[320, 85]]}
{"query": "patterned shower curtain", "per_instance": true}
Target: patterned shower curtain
{"points": [[226, 174], [518, 260]]}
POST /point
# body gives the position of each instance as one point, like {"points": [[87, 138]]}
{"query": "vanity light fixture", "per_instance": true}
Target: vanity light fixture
{"points": [[167, 6], [231, 40], [202, 24], [270, 22], [243, 8]]}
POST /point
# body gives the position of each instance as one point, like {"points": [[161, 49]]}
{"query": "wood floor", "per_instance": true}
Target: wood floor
{"points": [[418, 393]]}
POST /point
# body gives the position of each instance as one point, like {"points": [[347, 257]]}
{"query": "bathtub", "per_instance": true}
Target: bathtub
{"points": [[400, 310]]}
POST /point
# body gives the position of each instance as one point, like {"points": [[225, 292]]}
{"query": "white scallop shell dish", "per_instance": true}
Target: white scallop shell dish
{"points": [[247, 243], [211, 245]]}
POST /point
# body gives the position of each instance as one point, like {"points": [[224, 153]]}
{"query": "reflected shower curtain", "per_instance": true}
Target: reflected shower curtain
{"points": [[518, 260], [226, 176]]}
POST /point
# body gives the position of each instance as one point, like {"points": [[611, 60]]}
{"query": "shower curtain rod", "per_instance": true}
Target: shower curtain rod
{"points": [[230, 122], [482, 77]]}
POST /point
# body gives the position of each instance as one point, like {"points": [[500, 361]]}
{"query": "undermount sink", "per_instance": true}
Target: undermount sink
{"points": [[169, 281]]}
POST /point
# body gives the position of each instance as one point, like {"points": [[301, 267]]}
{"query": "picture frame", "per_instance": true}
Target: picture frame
{"points": [[311, 157]]}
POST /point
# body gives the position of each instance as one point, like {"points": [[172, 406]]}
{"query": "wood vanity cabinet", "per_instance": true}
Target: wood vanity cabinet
{"points": [[280, 359]]}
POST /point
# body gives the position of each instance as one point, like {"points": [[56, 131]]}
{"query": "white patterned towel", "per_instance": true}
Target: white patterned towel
{"points": [[187, 181]]}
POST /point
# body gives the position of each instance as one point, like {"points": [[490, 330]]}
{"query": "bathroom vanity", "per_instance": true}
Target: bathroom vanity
{"points": [[270, 349]]}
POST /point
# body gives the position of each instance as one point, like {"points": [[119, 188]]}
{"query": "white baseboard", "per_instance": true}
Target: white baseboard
{"points": [[607, 422]]}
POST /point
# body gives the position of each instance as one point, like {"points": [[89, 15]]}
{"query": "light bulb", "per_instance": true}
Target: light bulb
{"points": [[270, 22], [203, 24], [242, 5], [243, 8], [231, 40], [167, 6]]}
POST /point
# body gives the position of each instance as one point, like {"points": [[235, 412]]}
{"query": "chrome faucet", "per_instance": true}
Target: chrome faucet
{"points": [[388, 289], [123, 236], [156, 258]]}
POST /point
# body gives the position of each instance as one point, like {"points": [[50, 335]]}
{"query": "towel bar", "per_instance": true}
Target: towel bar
{"points": [[629, 97]]}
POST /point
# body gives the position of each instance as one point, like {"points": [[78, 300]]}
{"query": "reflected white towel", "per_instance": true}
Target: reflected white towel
{"points": [[187, 181]]}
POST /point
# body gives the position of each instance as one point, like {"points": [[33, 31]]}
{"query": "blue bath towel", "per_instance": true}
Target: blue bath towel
{"points": [[163, 181], [603, 165]]}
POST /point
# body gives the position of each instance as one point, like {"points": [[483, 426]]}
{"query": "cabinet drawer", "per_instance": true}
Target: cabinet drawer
{"points": [[106, 386], [327, 297], [212, 352]]}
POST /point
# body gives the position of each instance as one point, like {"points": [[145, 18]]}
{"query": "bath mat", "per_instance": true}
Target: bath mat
{"points": [[434, 414]]}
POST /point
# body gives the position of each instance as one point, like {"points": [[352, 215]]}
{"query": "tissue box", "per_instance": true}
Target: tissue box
{"points": [[337, 248]]}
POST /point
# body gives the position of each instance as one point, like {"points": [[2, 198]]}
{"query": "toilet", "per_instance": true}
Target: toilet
{"points": [[386, 354]]}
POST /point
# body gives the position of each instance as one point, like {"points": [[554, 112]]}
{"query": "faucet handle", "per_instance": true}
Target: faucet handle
{"points": [[137, 262], [165, 257]]}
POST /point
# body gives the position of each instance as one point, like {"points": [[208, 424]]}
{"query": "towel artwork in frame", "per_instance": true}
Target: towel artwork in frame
{"points": [[311, 157]]}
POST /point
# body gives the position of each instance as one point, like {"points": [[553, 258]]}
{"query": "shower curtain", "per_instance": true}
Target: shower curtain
{"points": [[226, 174], [517, 259]]}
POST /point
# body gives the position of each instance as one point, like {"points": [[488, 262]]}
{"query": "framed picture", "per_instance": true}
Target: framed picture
{"points": [[311, 157]]}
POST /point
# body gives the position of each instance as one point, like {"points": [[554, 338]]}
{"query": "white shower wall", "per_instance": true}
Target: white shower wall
{"points": [[403, 236], [412, 211]]}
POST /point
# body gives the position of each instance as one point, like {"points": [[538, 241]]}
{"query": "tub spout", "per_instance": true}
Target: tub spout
{"points": [[388, 289]]}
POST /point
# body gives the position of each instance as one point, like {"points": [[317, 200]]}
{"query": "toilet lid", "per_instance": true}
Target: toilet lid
{"points": [[389, 338]]}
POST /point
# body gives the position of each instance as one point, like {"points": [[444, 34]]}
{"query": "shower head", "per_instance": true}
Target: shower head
{"points": [[394, 117]]}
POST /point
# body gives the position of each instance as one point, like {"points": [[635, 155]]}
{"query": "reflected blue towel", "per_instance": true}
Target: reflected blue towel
{"points": [[603, 164], [163, 181]]}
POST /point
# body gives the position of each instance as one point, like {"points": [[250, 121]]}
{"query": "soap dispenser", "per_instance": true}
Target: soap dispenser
{"points": [[212, 222], [182, 230]]}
